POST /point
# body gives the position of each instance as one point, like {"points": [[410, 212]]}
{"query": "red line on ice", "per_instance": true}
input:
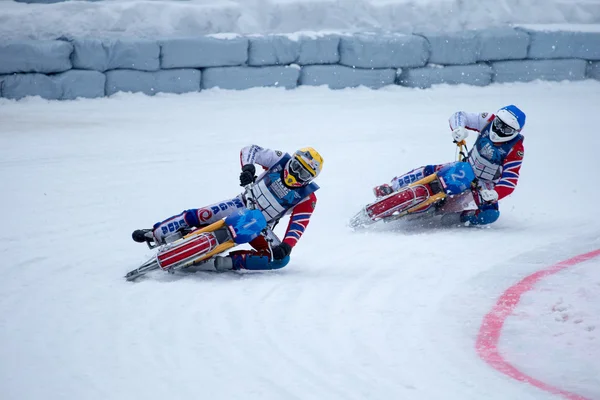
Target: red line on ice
{"points": [[491, 328]]}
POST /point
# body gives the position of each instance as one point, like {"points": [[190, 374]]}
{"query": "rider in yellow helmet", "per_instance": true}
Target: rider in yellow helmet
{"points": [[302, 168], [285, 187]]}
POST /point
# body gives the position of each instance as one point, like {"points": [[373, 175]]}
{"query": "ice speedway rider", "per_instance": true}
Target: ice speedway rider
{"points": [[496, 159], [286, 186]]}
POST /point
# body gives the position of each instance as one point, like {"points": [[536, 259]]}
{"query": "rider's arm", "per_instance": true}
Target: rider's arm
{"points": [[299, 219], [472, 121], [257, 155], [510, 171]]}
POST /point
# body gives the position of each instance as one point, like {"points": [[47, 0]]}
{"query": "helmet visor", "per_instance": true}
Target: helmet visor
{"points": [[502, 129], [301, 173]]}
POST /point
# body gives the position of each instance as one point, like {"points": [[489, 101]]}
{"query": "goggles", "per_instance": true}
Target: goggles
{"points": [[502, 129], [301, 173]]}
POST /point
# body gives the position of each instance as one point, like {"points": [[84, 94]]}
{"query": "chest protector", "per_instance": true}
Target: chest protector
{"points": [[487, 157], [273, 197]]}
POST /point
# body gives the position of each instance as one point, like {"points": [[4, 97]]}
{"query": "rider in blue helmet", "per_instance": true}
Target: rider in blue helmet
{"points": [[496, 158]]}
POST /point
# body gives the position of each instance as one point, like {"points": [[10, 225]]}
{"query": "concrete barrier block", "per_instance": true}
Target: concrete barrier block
{"points": [[239, 78], [107, 54], [150, 83], [319, 50], [477, 75], [383, 51], [272, 50], [78, 83], [529, 70], [502, 44], [43, 56], [339, 76], [564, 44], [452, 48], [593, 70], [203, 52], [17, 86]]}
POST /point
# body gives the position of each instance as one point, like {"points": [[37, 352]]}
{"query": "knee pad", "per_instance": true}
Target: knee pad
{"points": [[428, 170], [191, 217]]}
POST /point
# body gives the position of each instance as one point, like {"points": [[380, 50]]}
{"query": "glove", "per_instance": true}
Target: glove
{"points": [[247, 176], [488, 195], [460, 134], [281, 251]]}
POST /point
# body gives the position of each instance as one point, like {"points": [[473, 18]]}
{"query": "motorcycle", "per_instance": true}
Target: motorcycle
{"points": [[185, 249], [448, 190]]}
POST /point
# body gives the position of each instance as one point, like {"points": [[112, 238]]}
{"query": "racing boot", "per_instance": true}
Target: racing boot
{"points": [[382, 190], [142, 236]]}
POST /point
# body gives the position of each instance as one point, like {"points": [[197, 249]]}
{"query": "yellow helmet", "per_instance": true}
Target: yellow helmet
{"points": [[304, 166]]}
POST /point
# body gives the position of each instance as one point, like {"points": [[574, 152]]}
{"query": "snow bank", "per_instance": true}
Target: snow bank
{"points": [[158, 19]]}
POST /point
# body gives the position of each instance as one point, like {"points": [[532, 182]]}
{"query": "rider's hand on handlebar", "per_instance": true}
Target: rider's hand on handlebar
{"points": [[247, 176], [460, 134]]}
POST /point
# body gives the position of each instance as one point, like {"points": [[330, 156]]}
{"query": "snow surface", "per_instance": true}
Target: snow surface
{"points": [[386, 314], [563, 310], [158, 19]]}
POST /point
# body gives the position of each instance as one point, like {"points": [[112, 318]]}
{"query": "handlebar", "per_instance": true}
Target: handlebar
{"points": [[249, 196], [463, 151], [463, 156]]}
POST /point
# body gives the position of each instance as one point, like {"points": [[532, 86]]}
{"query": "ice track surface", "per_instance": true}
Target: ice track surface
{"points": [[378, 315]]}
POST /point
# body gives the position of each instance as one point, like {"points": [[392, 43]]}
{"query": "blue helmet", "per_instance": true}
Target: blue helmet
{"points": [[508, 123]]}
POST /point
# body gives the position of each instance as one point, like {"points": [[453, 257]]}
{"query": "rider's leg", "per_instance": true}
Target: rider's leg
{"points": [[406, 179], [193, 218], [257, 259]]}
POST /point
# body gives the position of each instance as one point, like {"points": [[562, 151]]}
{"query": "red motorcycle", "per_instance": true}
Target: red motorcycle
{"points": [[446, 191], [184, 250]]}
